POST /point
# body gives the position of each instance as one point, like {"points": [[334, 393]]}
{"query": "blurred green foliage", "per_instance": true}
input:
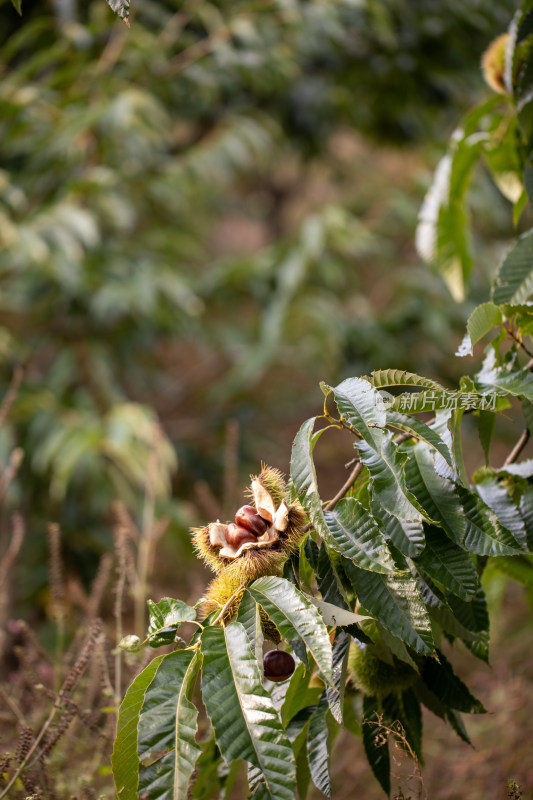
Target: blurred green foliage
{"points": [[202, 215]]}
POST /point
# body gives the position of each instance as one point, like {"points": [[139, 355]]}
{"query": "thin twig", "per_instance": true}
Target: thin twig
{"points": [[354, 474], [518, 340], [517, 449]]}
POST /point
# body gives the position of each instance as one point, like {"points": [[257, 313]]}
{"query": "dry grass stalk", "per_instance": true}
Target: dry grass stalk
{"points": [[7, 564]]}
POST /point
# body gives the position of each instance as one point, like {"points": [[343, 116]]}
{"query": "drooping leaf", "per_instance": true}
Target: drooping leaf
{"points": [[526, 511], [329, 581], [125, 761], [443, 235], [207, 771], [250, 617], [299, 694], [376, 743], [167, 726], [440, 678], [495, 495], [304, 479], [484, 535], [513, 282], [437, 495], [386, 469], [335, 696], [395, 601], [317, 747], [303, 773], [456, 721], [18, 5], [448, 564], [246, 724], [295, 617], [420, 431], [406, 535], [355, 534]]}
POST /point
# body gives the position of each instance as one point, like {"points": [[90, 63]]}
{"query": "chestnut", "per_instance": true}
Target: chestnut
{"points": [[247, 517], [278, 665], [237, 535]]}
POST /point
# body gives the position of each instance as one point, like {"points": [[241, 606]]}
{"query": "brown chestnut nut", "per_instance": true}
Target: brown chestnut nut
{"points": [[248, 517], [237, 535], [278, 665]]}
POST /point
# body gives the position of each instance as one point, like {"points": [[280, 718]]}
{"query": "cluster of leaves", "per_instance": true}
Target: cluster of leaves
{"points": [[394, 562], [407, 547], [121, 152]]}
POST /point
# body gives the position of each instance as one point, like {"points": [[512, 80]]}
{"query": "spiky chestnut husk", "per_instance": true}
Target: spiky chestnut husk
{"points": [[376, 678], [286, 521], [251, 565], [219, 592], [493, 64]]}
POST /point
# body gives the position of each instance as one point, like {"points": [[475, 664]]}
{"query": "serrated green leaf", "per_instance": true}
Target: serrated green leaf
{"points": [[482, 320], [398, 377], [456, 721], [376, 743], [124, 761], [230, 780], [246, 723], [513, 282], [335, 696], [166, 616], [328, 580], [440, 678], [355, 534], [501, 381], [442, 235], [317, 748], [437, 495], [484, 535], [299, 694], [448, 564], [495, 495], [295, 616], [395, 602], [303, 476], [249, 616], [363, 408], [406, 535], [303, 773], [526, 512], [168, 725], [386, 470], [420, 431]]}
